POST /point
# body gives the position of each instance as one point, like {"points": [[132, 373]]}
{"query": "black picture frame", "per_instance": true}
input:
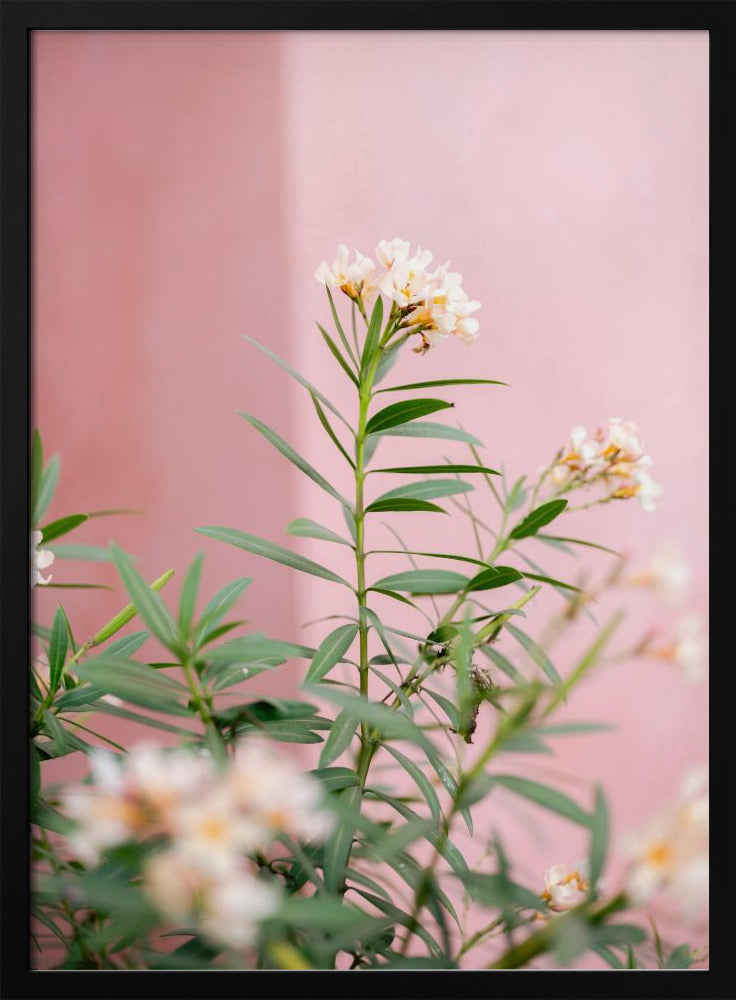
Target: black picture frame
{"points": [[18, 19]]}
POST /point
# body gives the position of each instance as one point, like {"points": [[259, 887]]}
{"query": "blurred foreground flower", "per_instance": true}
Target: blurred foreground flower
{"points": [[565, 887], [40, 559], [672, 852]]}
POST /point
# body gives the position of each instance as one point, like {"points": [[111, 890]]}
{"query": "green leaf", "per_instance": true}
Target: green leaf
{"points": [[391, 722], [335, 350], [608, 956], [403, 918], [500, 892], [494, 576], [188, 597], [255, 648], [424, 581], [531, 524], [577, 541], [269, 550], [135, 683], [398, 414], [372, 336], [219, 605], [504, 665], [516, 496], [331, 651], [427, 429], [536, 652], [443, 381], [147, 602], [286, 450], [36, 473], [338, 327], [571, 728], [299, 378], [427, 469], [329, 430], [420, 779], [388, 360], [337, 849], [426, 489], [55, 529], [340, 738], [58, 644], [542, 795], [89, 553], [106, 708], [333, 779], [303, 527], [679, 958], [47, 488], [400, 504], [599, 839], [551, 580], [617, 934]]}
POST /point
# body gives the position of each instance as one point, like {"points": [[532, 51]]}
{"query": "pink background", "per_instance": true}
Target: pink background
{"points": [[186, 185]]}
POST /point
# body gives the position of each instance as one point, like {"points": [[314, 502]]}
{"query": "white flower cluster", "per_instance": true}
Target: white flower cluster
{"points": [[40, 559], [668, 574], [430, 303], [212, 819], [565, 886], [672, 853], [613, 457]]}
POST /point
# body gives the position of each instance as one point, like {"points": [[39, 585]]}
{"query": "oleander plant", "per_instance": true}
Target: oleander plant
{"points": [[352, 827]]}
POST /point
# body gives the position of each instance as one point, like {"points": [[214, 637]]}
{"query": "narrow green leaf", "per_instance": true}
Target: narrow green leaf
{"points": [[36, 473], [147, 602], [427, 469], [372, 336], [494, 576], [426, 489], [516, 496], [531, 524], [188, 597], [47, 488], [335, 351], [552, 581], [536, 652], [391, 722], [299, 378], [55, 529], [679, 958], [261, 547], [135, 683], [330, 430], [338, 327], [599, 838], [424, 581], [500, 892], [331, 651], [389, 359], [443, 381], [577, 541], [430, 555], [89, 553], [340, 738], [337, 849], [618, 934], [428, 429], [303, 527], [542, 795], [333, 779], [401, 504], [58, 644], [219, 605], [288, 452], [420, 779], [398, 414], [504, 665]]}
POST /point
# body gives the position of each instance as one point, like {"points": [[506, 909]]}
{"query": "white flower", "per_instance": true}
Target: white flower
{"points": [[389, 251], [647, 490], [173, 883], [212, 832], [668, 574], [277, 794], [354, 279], [103, 821], [672, 853], [164, 779], [408, 281], [235, 906], [40, 559], [566, 886], [621, 438], [446, 309]]}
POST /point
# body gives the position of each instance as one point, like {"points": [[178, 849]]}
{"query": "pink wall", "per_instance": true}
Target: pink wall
{"points": [[187, 186]]}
